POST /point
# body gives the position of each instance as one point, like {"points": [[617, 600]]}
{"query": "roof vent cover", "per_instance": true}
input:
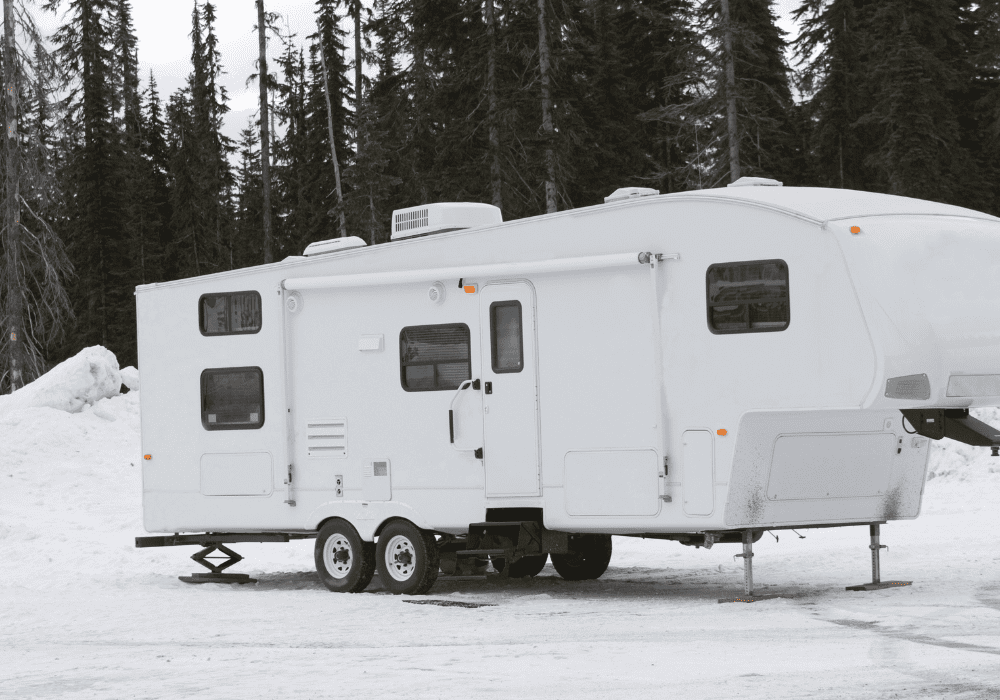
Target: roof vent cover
{"points": [[623, 193], [441, 217], [333, 245], [755, 182]]}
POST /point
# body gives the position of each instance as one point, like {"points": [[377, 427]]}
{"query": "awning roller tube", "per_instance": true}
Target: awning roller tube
{"points": [[372, 279]]}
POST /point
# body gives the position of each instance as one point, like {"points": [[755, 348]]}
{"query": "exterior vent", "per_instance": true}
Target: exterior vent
{"points": [[913, 386], [333, 245], [327, 438], [445, 216], [974, 386], [755, 182], [623, 193]]}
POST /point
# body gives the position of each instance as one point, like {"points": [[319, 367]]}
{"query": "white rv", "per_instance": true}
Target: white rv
{"points": [[698, 366]]}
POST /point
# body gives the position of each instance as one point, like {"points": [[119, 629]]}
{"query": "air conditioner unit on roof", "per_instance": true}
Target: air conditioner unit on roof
{"points": [[441, 217]]}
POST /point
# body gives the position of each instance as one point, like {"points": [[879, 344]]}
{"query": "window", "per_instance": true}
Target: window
{"points": [[434, 358], [748, 297], [506, 339], [234, 313], [232, 398]]}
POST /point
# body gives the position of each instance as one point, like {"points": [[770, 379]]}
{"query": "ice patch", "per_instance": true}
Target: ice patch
{"points": [[82, 380]]}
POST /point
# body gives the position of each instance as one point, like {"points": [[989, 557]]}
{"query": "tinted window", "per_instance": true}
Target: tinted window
{"points": [[506, 338], [229, 314], [748, 297], [232, 398], [434, 358]]}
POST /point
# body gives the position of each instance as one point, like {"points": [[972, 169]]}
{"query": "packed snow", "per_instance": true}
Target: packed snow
{"points": [[84, 614]]}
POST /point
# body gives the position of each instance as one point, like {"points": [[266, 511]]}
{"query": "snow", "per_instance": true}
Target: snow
{"points": [[83, 614], [73, 385]]}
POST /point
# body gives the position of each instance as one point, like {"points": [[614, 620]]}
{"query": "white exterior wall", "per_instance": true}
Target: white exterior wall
{"points": [[597, 389]]}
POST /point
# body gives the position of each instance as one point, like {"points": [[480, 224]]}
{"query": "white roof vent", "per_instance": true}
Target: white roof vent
{"points": [[755, 182], [441, 217], [623, 193], [333, 245]]}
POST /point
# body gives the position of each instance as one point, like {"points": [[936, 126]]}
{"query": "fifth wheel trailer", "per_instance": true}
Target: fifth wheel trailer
{"points": [[699, 366]]}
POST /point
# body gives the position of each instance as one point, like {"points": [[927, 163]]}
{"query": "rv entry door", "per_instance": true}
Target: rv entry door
{"points": [[510, 389]]}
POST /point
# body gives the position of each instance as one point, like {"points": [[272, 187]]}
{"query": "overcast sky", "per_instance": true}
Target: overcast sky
{"points": [[163, 28]]}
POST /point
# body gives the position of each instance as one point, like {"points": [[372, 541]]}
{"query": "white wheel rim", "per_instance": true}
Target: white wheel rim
{"points": [[400, 558], [338, 556]]}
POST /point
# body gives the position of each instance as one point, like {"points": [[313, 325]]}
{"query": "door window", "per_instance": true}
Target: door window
{"points": [[506, 337]]}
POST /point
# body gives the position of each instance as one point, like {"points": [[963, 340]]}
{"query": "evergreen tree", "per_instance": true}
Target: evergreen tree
{"points": [[249, 229]]}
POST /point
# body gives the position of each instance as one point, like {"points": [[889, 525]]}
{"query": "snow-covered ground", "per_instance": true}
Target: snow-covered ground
{"points": [[83, 614]]}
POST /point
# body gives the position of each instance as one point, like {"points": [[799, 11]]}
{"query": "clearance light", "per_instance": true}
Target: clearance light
{"points": [[147, 457], [722, 432], [470, 288], [855, 229]]}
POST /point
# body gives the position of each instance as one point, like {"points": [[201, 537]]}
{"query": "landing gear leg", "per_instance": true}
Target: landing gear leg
{"points": [[748, 595], [877, 582]]}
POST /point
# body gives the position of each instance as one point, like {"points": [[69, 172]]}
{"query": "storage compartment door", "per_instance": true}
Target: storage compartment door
{"points": [[698, 463]]}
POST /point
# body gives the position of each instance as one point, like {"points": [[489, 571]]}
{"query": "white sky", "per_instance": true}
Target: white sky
{"points": [[163, 27]]}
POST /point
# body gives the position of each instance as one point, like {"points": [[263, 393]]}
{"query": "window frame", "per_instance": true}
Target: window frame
{"points": [[403, 365], [230, 370], [493, 337], [227, 295], [709, 305]]}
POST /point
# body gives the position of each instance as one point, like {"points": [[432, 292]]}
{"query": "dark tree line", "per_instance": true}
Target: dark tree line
{"points": [[531, 105]]}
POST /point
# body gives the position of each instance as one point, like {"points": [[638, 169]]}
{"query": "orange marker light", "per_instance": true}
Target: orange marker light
{"points": [[147, 457], [855, 229], [722, 432], [470, 289]]}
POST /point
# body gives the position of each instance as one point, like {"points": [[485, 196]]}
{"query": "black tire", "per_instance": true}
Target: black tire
{"points": [[344, 561], [588, 557], [523, 567], [407, 558]]}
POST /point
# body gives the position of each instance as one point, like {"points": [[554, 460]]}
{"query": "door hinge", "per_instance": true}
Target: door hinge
{"points": [[479, 453]]}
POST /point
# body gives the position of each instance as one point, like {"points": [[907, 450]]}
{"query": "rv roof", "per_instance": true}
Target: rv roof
{"points": [[825, 204]]}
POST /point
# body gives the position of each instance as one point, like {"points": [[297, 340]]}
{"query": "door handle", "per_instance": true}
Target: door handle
{"points": [[488, 389]]}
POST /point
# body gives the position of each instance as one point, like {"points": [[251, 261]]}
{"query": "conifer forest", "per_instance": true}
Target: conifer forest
{"points": [[533, 106]]}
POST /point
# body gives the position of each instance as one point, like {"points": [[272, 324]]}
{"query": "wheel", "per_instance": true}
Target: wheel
{"points": [[344, 561], [407, 558], [523, 567], [588, 557]]}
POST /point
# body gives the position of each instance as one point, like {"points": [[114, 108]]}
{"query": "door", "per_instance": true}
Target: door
{"points": [[510, 389]]}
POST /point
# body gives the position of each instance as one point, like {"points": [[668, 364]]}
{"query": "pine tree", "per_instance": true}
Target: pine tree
{"points": [[98, 241], [249, 229], [34, 305]]}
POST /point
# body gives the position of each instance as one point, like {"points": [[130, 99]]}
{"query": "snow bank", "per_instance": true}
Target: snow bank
{"points": [[82, 380]]}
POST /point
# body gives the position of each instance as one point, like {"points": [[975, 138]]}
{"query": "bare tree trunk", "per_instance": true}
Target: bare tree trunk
{"points": [[333, 142], [547, 126], [496, 182], [14, 311], [265, 136], [358, 64], [731, 123]]}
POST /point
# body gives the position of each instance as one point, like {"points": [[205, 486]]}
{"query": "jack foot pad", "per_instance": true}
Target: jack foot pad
{"points": [[750, 598], [878, 586], [217, 578]]}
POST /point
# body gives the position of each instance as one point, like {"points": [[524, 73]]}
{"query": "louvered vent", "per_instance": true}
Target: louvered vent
{"points": [[327, 438], [411, 219]]}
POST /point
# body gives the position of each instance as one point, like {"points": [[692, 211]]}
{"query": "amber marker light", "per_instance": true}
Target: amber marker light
{"points": [[855, 229], [147, 457], [722, 432], [470, 289]]}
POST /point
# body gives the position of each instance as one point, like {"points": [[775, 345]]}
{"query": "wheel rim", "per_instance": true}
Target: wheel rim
{"points": [[400, 558], [338, 556]]}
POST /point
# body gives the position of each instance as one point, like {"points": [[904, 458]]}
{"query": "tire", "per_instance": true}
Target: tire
{"points": [[407, 558], [588, 557], [344, 561], [523, 567]]}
